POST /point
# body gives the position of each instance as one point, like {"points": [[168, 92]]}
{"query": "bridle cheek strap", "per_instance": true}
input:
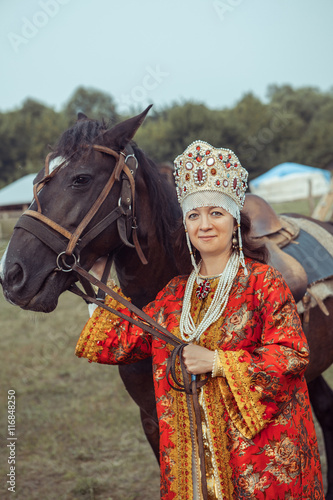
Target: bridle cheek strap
{"points": [[87, 218], [134, 224], [100, 200]]}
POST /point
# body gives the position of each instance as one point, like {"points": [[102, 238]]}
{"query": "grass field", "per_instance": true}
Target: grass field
{"points": [[78, 432]]}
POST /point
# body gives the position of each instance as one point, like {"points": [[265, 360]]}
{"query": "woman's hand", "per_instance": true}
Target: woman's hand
{"points": [[198, 359]]}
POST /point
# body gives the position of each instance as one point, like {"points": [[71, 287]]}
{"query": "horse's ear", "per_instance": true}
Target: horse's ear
{"points": [[81, 116], [121, 134]]}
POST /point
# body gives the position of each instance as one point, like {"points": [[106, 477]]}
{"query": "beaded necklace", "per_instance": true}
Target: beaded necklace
{"points": [[188, 330]]}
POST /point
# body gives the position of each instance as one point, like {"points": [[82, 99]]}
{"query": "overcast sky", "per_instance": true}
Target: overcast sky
{"points": [[162, 51]]}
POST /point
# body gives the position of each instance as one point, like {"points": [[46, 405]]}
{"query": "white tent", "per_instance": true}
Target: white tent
{"points": [[19, 192], [291, 181]]}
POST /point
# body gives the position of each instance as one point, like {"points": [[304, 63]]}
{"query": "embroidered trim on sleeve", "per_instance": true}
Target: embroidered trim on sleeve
{"points": [[242, 399], [218, 370], [94, 332]]}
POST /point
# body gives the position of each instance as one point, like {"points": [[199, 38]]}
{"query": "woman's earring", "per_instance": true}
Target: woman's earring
{"points": [[234, 241]]}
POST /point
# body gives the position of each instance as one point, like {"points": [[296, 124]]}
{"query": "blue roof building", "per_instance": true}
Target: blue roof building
{"points": [[291, 181]]}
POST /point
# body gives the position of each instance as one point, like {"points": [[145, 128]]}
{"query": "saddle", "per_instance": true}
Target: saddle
{"points": [[277, 232]]}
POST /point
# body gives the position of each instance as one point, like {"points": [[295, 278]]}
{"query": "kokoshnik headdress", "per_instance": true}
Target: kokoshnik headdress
{"points": [[208, 176]]}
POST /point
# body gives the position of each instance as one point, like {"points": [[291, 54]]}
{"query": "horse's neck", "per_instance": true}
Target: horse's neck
{"points": [[142, 282]]}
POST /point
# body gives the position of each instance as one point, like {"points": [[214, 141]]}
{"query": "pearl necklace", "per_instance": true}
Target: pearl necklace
{"points": [[209, 277], [188, 330]]}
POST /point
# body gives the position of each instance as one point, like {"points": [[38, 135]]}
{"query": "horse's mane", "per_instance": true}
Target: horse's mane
{"points": [[162, 196], [77, 141]]}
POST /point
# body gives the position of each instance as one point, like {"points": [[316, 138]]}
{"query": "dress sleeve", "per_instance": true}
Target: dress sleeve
{"points": [[108, 339], [259, 382]]}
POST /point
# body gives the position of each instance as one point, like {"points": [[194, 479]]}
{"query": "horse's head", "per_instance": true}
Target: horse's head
{"points": [[85, 179]]}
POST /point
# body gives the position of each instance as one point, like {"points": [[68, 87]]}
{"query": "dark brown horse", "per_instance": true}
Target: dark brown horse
{"points": [[81, 165]]}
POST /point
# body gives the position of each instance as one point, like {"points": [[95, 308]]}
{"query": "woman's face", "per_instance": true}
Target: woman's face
{"points": [[210, 230]]}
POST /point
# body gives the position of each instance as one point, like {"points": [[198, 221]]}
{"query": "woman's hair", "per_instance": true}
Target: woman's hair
{"points": [[251, 246]]}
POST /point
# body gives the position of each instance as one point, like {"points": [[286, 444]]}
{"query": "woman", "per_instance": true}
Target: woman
{"points": [[240, 320]]}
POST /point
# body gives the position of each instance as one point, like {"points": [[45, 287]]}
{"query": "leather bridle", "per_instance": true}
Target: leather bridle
{"points": [[53, 234], [68, 245]]}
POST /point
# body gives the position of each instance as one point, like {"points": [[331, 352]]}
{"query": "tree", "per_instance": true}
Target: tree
{"points": [[93, 103], [174, 128], [24, 138], [294, 125]]}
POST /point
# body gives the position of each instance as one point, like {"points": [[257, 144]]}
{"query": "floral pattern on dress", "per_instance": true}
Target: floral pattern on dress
{"points": [[259, 417]]}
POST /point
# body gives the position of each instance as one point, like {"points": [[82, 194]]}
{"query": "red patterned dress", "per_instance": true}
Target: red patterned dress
{"points": [[257, 422]]}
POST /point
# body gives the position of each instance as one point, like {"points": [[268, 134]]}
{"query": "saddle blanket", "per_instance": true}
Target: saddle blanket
{"points": [[312, 255], [314, 251]]}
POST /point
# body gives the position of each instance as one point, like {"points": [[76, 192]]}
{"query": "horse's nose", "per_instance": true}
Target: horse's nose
{"points": [[15, 277]]}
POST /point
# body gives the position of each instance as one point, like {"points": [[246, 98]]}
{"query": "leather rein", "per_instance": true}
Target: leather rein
{"points": [[68, 256], [52, 234]]}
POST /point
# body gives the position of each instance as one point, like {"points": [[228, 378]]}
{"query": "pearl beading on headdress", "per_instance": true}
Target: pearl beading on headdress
{"points": [[201, 167]]}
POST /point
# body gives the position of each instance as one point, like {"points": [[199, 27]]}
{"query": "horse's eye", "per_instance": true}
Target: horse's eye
{"points": [[81, 180]]}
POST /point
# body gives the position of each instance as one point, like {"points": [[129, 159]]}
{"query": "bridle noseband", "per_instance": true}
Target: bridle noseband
{"points": [[53, 234]]}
